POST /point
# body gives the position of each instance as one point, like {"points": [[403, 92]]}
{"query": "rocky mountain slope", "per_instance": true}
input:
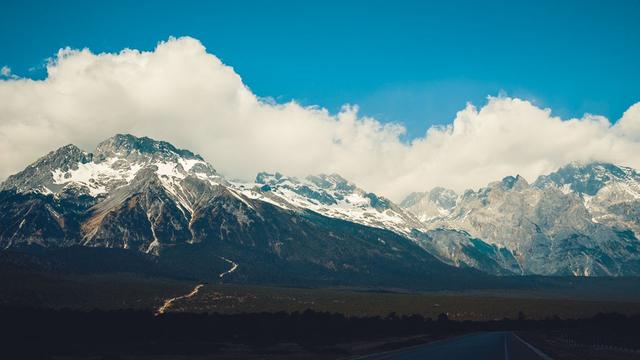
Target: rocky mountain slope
{"points": [[335, 197], [150, 197], [580, 220]]}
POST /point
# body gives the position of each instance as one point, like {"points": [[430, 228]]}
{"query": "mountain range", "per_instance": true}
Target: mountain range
{"points": [[582, 219], [172, 208]]}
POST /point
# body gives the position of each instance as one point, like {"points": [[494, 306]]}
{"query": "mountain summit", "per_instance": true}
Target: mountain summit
{"points": [[115, 163], [589, 178], [583, 219], [149, 197]]}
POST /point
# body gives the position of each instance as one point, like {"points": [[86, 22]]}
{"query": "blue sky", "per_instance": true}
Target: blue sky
{"points": [[412, 62]]}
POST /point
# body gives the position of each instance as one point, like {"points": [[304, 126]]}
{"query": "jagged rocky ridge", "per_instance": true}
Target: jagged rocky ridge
{"points": [[149, 197], [583, 219]]}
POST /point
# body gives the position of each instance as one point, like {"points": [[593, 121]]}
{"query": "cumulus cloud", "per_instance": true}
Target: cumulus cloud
{"points": [[5, 71], [182, 94], [629, 125]]}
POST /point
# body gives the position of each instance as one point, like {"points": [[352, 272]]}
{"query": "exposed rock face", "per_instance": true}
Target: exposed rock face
{"points": [[39, 175], [610, 193], [432, 204], [333, 196], [589, 178], [580, 220], [150, 197]]}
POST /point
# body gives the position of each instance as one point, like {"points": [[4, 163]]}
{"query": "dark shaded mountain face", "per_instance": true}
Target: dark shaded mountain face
{"points": [[172, 208], [150, 198], [583, 219]]}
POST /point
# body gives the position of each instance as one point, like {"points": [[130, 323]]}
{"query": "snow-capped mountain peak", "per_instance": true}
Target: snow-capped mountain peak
{"points": [[39, 173], [145, 194], [581, 219], [141, 149], [333, 196], [587, 178], [114, 164]]}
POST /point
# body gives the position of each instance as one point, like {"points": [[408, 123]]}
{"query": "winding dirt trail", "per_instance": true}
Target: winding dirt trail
{"points": [[169, 302], [233, 268]]}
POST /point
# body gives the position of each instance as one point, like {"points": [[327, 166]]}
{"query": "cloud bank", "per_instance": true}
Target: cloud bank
{"points": [[182, 94]]}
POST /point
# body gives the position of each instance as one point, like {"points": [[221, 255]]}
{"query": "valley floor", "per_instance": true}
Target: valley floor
{"points": [[485, 305], [276, 323], [127, 291]]}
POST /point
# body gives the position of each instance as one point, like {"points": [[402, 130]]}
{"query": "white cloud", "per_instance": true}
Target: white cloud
{"points": [[182, 94], [5, 71], [629, 125]]}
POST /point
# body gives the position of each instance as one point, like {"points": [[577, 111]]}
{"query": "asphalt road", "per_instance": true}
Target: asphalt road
{"points": [[478, 346]]}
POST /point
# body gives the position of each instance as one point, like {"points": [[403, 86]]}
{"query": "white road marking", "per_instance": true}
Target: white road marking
{"points": [[533, 348], [506, 351]]}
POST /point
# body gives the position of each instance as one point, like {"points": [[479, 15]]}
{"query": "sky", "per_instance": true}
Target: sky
{"points": [[407, 70], [416, 62]]}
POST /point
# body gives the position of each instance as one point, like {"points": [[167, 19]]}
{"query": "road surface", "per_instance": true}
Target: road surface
{"points": [[478, 346]]}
